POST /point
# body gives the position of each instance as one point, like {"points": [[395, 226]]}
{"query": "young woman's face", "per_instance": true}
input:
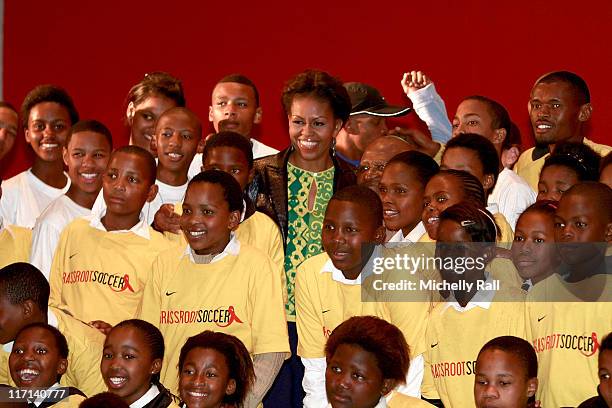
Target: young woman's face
{"points": [[34, 361], [204, 379], [142, 118], [533, 251], [441, 192], [501, 381], [353, 378], [312, 129], [402, 196], [207, 220], [127, 363]]}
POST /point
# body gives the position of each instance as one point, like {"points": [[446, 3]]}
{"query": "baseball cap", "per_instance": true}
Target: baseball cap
{"points": [[366, 99]]}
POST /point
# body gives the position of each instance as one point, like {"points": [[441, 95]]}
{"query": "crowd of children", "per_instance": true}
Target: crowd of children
{"points": [[217, 272]]}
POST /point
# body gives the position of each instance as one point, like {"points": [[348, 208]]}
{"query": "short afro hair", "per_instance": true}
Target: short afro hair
{"points": [[93, 126], [232, 192], [375, 336], [499, 115], [423, 166], [364, 197], [484, 149], [320, 85], [243, 80], [48, 93], [150, 165], [520, 348], [229, 139], [23, 281], [579, 85]]}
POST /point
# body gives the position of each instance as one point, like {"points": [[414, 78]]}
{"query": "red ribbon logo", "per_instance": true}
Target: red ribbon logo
{"points": [[232, 318], [126, 285], [595, 346]]}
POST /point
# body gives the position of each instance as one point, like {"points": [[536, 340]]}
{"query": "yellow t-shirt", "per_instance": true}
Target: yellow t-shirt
{"points": [[258, 231], [454, 338], [322, 303], [529, 169], [100, 275], [85, 346], [399, 400], [15, 243], [239, 294], [566, 338]]}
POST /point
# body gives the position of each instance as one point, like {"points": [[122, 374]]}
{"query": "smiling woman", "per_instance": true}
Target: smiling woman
{"points": [[146, 101], [294, 186]]}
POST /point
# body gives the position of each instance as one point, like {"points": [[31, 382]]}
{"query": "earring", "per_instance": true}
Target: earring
{"points": [[334, 146]]}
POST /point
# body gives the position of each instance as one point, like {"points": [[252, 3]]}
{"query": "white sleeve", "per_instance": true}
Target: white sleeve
{"points": [[44, 241], [414, 378], [314, 382], [430, 108]]}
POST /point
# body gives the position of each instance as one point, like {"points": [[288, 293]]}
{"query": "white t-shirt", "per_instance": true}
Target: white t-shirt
{"points": [[166, 194], [49, 225], [25, 196], [512, 195], [259, 150]]}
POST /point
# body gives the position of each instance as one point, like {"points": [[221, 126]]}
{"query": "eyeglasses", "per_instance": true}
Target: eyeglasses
{"points": [[379, 167]]}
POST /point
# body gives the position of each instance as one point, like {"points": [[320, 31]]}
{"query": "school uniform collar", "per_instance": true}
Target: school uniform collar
{"points": [[339, 277], [337, 274], [482, 298], [412, 237], [51, 321], [232, 248], [146, 398], [244, 208], [141, 228]]}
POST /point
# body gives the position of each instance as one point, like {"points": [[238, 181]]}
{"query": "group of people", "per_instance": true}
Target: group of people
{"points": [[192, 271]]}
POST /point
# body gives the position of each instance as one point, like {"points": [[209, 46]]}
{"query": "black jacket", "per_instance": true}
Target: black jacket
{"points": [[269, 188]]}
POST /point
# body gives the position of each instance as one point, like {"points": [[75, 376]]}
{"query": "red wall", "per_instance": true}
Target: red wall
{"points": [[467, 47]]}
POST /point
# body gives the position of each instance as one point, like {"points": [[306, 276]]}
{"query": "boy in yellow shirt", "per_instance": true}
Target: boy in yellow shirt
{"points": [[217, 283], [569, 313], [102, 262], [14, 242], [24, 293], [328, 285]]}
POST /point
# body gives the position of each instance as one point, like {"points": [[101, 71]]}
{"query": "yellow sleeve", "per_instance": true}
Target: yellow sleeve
{"points": [[149, 308], [85, 346], [275, 247], [269, 327], [84, 371], [55, 275], [311, 340], [4, 370]]}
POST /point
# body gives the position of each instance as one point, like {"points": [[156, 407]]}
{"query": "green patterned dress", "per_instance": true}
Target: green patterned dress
{"points": [[304, 226]]}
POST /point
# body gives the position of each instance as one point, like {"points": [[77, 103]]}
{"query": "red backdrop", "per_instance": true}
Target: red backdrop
{"points": [[496, 49]]}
